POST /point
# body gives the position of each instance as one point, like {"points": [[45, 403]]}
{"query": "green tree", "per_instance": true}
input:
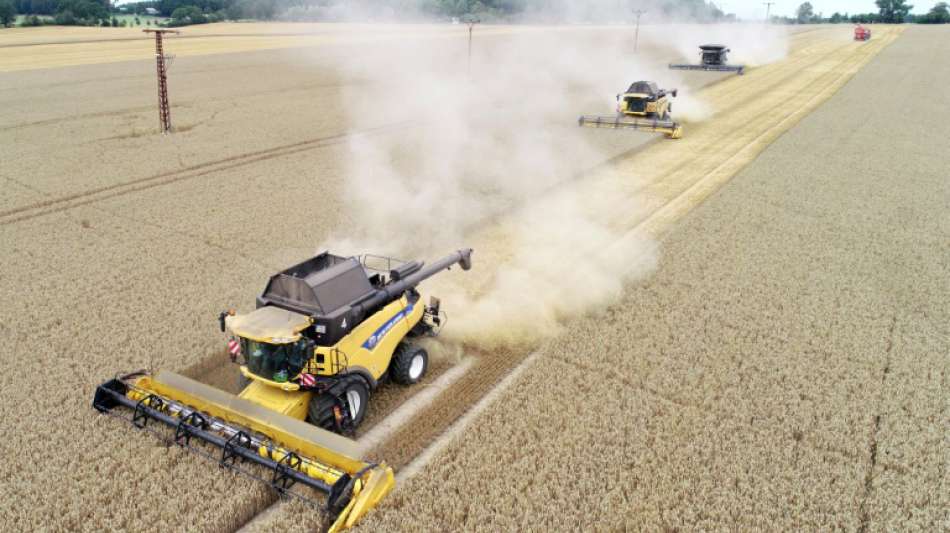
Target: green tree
{"points": [[837, 17], [7, 13], [893, 11], [938, 14], [82, 12], [805, 13], [188, 15]]}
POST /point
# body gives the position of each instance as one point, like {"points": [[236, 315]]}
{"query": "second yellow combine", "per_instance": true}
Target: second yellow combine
{"points": [[325, 333], [645, 107]]}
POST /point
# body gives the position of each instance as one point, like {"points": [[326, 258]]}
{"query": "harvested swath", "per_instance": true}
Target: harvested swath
{"points": [[775, 373]]}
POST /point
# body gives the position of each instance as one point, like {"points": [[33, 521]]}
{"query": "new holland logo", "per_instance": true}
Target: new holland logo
{"points": [[378, 335]]}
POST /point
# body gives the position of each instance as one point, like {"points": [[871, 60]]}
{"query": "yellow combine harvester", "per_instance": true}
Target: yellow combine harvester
{"points": [[643, 107], [325, 333]]}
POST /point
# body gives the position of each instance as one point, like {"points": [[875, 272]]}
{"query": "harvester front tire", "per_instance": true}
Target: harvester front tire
{"points": [[353, 392], [409, 365]]}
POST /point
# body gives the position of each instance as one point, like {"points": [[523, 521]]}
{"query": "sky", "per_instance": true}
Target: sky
{"points": [[755, 9]]}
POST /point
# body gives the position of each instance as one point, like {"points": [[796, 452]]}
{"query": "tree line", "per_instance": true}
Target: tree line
{"points": [[889, 12], [184, 12]]}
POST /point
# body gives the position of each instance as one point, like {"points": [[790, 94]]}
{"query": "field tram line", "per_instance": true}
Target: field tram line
{"points": [[183, 36], [58, 204], [82, 116], [864, 516]]}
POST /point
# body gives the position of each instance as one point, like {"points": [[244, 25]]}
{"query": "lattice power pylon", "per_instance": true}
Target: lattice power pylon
{"points": [[164, 112]]}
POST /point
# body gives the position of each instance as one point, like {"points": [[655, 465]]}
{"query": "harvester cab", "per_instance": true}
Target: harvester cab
{"points": [[713, 57], [861, 33], [330, 329], [644, 106], [324, 334]]}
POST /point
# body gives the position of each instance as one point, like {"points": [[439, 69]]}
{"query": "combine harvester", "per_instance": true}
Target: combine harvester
{"points": [[861, 33], [713, 57], [324, 334], [643, 107]]}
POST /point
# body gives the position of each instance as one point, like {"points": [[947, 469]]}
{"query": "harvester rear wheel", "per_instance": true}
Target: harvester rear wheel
{"points": [[350, 402], [409, 364]]}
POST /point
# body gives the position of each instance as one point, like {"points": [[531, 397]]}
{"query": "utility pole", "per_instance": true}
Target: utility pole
{"points": [[164, 112], [636, 37], [768, 9], [471, 25]]}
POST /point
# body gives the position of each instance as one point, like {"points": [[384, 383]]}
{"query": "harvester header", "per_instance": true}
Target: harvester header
{"points": [[671, 129], [326, 332], [290, 449]]}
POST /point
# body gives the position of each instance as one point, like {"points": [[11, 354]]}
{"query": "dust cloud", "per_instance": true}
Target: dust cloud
{"points": [[752, 45], [491, 157]]}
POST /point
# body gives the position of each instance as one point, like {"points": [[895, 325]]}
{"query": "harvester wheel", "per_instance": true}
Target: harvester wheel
{"points": [[344, 411], [409, 364]]}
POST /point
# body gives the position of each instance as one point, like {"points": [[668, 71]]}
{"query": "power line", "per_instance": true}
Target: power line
{"points": [[768, 8]]}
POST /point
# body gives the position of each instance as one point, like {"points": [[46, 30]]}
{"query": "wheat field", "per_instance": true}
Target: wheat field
{"points": [[692, 373]]}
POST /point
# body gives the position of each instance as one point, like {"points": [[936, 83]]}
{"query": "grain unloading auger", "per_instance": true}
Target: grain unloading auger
{"points": [[325, 333]]}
